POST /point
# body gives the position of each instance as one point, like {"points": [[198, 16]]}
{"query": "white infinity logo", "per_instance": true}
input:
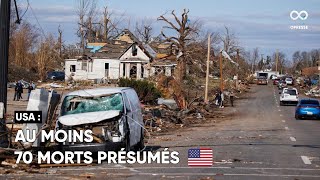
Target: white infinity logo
{"points": [[303, 15]]}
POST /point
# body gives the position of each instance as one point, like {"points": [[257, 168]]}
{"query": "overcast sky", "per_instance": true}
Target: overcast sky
{"points": [[262, 24]]}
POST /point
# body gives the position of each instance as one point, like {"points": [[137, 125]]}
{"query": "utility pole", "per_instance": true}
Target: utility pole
{"points": [[207, 75], [81, 28], [277, 59], [319, 72], [262, 67], [60, 41], [238, 61], [4, 48], [221, 75]]}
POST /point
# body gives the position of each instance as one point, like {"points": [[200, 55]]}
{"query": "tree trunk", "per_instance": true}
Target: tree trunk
{"points": [[181, 70]]}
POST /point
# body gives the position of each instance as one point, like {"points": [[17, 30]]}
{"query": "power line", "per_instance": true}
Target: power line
{"points": [[42, 31], [28, 4]]}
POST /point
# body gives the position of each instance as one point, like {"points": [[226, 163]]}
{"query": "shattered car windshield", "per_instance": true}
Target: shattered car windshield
{"points": [[77, 104]]}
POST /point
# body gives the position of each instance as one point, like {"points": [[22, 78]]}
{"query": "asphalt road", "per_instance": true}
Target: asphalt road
{"points": [[262, 140]]}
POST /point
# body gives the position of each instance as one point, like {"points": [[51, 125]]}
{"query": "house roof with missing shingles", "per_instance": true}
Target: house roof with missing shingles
{"points": [[115, 48], [170, 60], [110, 50], [145, 48]]}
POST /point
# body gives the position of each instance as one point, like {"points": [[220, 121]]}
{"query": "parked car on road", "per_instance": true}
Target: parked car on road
{"points": [[289, 81], [56, 75], [273, 77], [262, 81], [282, 84], [289, 96], [308, 108], [113, 114], [276, 81]]}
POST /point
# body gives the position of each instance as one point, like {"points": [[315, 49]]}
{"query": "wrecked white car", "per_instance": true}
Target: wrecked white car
{"points": [[112, 114]]}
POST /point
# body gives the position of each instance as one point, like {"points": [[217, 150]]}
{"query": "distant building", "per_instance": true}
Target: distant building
{"points": [[309, 71], [123, 57], [266, 73]]}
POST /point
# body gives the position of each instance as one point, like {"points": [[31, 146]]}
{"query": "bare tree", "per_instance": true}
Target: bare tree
{"points": [[282, 61], [305, 58], [230, 43], [47, 56], [315, 54], [144, 31], [297, 61], [185, 32], [255, 56], [197, 52], [22, 43], [85, 8], [110, 23]]}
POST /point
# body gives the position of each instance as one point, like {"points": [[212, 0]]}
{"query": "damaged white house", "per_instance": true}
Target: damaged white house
{"points": [[123, 57]]}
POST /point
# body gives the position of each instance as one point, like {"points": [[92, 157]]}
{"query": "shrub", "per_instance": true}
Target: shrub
{"points": [[147, 91]]}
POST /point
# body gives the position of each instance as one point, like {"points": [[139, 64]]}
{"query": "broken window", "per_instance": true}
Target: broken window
{"points": [[158, 71], [124, 70], [106, 70], [133, 71], [77, 104], [134, 50], [72, 68], [142, 72]]}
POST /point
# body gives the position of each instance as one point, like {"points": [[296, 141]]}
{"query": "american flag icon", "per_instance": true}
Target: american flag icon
{"points": [[200, 157]]}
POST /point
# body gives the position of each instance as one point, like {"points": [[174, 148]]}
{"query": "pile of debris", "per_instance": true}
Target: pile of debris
{"points": [[167, 116], [313, 92]]}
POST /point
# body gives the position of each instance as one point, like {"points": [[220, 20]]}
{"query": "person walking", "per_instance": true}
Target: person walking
{"points": [[30, 88], [15, 98], [217, 98], [19, 90], [231, 98], [33, 85], [221, 99]]}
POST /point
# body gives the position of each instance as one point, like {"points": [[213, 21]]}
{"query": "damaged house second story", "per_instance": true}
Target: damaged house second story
{"points": [[123, 57]]}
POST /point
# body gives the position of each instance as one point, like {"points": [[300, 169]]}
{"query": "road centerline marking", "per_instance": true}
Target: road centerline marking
{"points": [[305, 160]]}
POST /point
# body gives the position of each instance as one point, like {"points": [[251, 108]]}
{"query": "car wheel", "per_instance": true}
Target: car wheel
{"points": [[297, 117], [281, 103], [127, 137], [140, 144], [127, 142]]}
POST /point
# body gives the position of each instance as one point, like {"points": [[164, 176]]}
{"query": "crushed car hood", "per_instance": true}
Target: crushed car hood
{"points": [[87, 118]]}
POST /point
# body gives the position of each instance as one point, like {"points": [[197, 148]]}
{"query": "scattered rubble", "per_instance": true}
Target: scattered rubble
{"points": [[313, 92], [170, 103]]}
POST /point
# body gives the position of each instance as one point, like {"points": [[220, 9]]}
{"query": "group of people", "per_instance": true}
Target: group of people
{"points": [[219, 98], [18, 90]]}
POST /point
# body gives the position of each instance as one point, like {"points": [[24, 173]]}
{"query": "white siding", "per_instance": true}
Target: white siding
{"points": [[98, 69], [140, 55]]}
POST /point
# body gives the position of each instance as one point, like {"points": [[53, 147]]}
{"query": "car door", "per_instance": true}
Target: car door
{"points": [[137, 120], [128, 113]]}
